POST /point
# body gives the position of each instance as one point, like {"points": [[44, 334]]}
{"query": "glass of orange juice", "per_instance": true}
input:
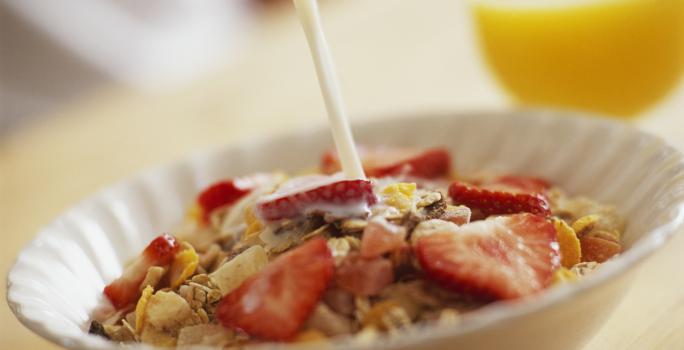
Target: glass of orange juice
{"points": [[615, 57]]}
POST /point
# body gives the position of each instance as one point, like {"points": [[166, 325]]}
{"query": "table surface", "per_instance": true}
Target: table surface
{"points": [[383, 49]]}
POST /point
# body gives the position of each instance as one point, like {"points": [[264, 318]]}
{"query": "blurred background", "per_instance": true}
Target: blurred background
{"points": [[92, 91]]}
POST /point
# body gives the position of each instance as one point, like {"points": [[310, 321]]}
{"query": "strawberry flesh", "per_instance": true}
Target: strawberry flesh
{"points": [[379, 162], [220, 194], [517, 183], [125, 290], [380, 237], [498, 201], [503, 257], [275, 303], [364, 277], [351, 197]]}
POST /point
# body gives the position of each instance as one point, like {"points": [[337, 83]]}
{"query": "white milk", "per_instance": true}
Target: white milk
{"points": [[344, 141]]}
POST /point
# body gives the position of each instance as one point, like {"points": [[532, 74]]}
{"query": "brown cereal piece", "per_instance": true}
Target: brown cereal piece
{"points": [[435, 210], [428, 199], [361, 307], [153, 276], [403, 263], [572, 209], [340, 301], [110, 316], [166, 313], [410, 221], [429, 227], [203, 295], [96, 328], [352, 226], [328, 322], [291, 233], [209, 257], [598, 249], [324, 230], [387, 315], [232, 273], [199, 237], [412, 296], [119, 333], [130, 317], [585, 224], [458, 214], [341, 246], [221, 259]]}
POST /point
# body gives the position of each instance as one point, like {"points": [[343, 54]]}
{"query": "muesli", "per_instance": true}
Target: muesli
{"points": [[308, 258]]}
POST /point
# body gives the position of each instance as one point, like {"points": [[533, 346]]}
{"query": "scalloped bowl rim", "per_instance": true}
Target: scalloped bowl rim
{"points": [[488, 316]]}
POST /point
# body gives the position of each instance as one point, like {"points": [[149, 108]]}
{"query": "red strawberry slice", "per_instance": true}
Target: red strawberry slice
{"points": [[364, 277], [381, 161], [125, 290], [517, 183], [311, 194], [380, 237], [503, 257], [228, 192], [498, 200], [275, 303]]}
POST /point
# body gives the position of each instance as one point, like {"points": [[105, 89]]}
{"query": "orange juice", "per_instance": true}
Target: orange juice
{"points": [[611, 56]]}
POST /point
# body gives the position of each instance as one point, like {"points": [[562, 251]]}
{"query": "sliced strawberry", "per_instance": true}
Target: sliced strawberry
{"points": [[275, 303], [364, 277], [125, 290], [498, 201], [517, 183], [317, 194], [503, 257], [380, 237], [221, 194], [380, 161]]}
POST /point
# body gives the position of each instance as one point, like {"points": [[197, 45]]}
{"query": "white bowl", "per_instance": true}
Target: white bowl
{"points": [[58, 279]]}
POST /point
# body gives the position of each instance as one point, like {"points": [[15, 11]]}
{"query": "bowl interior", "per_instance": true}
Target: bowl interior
{"points": [[57, 280]]}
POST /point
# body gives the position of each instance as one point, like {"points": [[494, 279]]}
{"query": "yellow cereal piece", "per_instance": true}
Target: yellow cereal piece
{"points": [[183, 266], [140, 308], [400, 195], [568, 243], [253, 224], [563, 275], [376, 314], [585, 224], [309, 335], [194, 213]]}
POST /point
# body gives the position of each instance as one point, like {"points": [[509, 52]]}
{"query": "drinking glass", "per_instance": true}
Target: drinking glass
{"points": [[615, 57]]}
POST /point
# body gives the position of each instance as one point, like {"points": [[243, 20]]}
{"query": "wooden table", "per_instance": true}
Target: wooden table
{"points": [[393, 56]]}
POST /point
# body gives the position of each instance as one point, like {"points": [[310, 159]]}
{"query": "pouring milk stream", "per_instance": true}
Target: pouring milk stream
{"points": [[325, 70]]}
